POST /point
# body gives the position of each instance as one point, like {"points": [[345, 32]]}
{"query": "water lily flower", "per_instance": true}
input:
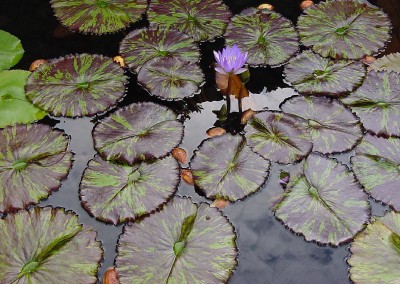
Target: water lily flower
{"points": [[230, 60]]}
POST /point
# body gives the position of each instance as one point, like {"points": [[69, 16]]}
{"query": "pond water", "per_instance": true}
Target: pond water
{"points": [[268, 252]]}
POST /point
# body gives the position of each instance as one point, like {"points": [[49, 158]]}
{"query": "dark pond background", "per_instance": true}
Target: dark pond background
{"points": [[269, 253]]}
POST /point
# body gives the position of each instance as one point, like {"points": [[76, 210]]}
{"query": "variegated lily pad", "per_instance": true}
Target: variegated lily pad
{"points": [[333, 127], [225, 167], [170, 78], [324, 202], [138, 132], [310, 73], [201, 19], [269, 38], [11, 50], [375, 252], [98, 16], [140, 46], [184, 243], [116, 192], [33, 160], [344, 29], [77, 85], [377, 103], [390, 63], [278, 137], [376, 166]]}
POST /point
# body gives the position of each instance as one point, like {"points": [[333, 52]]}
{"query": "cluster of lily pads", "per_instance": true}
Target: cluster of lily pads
{"points": [[340, 106]]}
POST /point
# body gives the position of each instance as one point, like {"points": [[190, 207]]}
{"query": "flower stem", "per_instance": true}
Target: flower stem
{"points": [[228, 91], [240, 99]]}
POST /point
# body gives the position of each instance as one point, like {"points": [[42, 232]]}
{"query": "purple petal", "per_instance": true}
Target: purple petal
{"points": [[216, 56], [240, 70], [220, 70]]}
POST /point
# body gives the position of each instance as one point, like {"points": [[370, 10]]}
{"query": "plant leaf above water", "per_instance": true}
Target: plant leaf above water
{"points": [[324, 202], [116, 193], [183, 243], [138, 132], [225, 167], [389, 62], [333, 127], [11, 50], [201, 19], [98, 16], [269, 38], [309, 73], [47, 245], [344, 29], [77, 85], [33, 160]]}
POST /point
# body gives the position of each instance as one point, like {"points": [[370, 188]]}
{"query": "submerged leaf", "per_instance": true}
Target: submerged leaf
{"points": [[184, 243], [11, 50], [47, 245], [390, 63], [33, 160]]}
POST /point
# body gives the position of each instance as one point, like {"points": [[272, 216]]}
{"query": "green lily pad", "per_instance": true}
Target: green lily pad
{"points": [[140, 46], [390, 63], [116, 193], [344, 29], [98, 16], [269, 38], [33, 160], [377, 103], [225, 167], [11, 50], [80, 85], [138, 132], [310, 73], [170, 78], [279, 137], [375, 252], [324, 202], [184, 243], [47, 245], [201, 19], [14, 106], [333, 127], [377, 167]]}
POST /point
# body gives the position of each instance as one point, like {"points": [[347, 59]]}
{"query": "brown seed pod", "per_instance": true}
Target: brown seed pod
{"points": [[306, 4], [118, 59], [180, 155], [247, 115], [368, 60], [187, 176], [265, 6], [215, 131], [220, 203], [35, 64], [111, 276]]}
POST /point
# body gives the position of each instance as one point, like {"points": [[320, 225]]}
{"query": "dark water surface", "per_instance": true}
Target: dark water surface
{"points": [[269, 253]]}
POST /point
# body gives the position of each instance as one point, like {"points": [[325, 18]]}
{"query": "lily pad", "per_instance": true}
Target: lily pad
{"points": [[376, 166], [138, 132], [98, 16], [140, 46], [269, 38], [80, 85], [184, 243], [11, 50], [344, 29], [170, 78], [47, 245], [14, 106], [225, 167], [33, 160], [310, 73], [377, 103], [278, 137], [375, 252], [333, 127], [201, 19], [390, 63], [116, 192], [324, 202]]}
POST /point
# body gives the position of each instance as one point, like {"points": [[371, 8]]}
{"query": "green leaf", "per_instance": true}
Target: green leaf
{"points": [[390, 63], [33, 160], [47, 245], [77, 85], [11, 50], [344, 29], [98, 16], [269, 38], [116, 193], [183, 243], [14, 106], [225, 167]]}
